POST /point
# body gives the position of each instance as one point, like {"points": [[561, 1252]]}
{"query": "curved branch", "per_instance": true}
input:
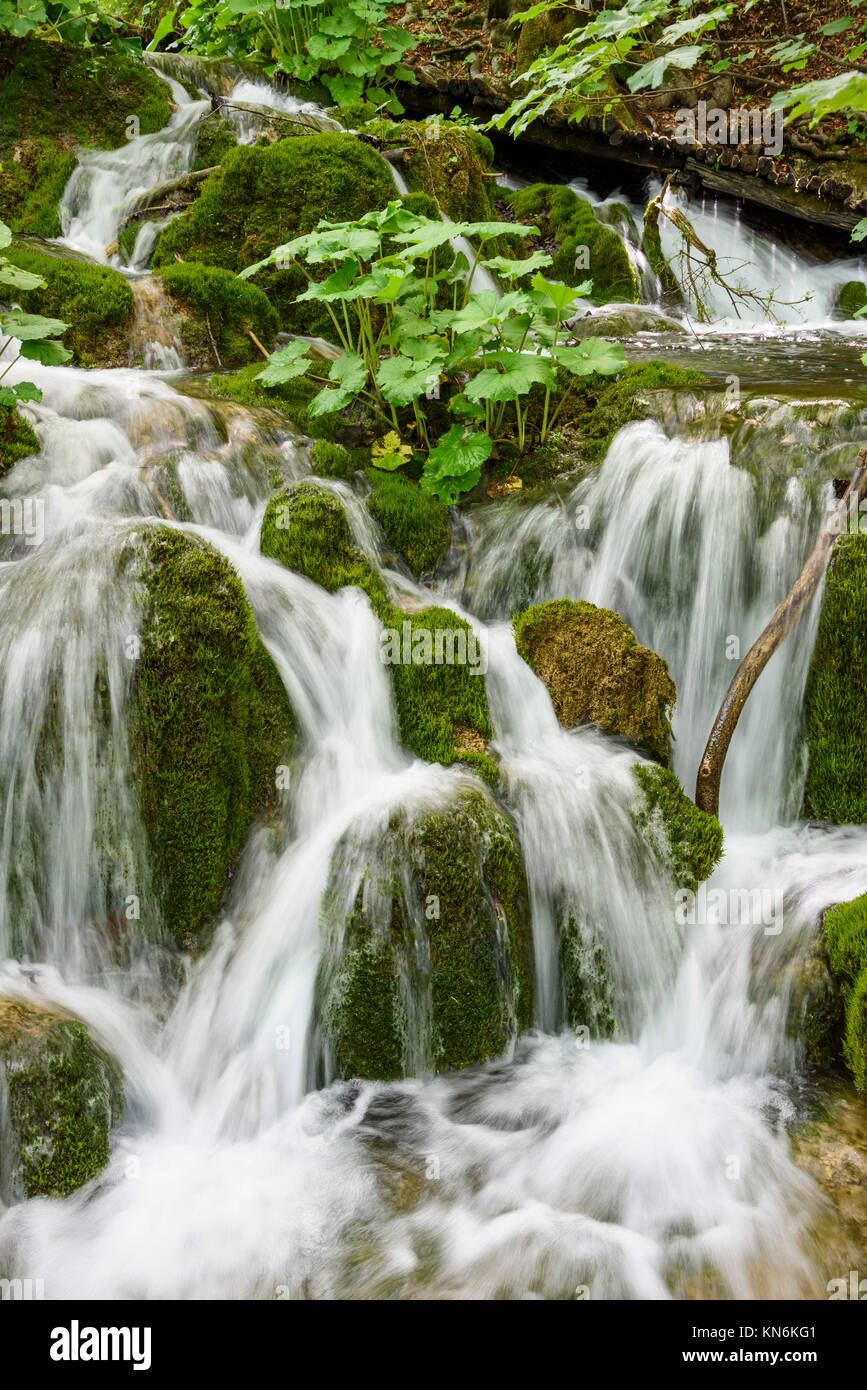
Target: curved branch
{"points": [[759, 654]]}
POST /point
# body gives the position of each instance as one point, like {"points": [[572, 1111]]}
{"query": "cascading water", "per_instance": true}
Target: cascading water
{"points": [[653, 1165]]}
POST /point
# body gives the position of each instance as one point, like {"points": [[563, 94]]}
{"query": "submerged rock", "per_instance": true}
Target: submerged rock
{"points": [[211, 721], [60, 1094], [429, 961], [596, 673], [583, 248], [836, 695], [262, 197]]}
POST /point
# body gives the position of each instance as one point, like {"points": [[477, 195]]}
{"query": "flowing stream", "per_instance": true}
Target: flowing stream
{"points": [[654, 1165]]}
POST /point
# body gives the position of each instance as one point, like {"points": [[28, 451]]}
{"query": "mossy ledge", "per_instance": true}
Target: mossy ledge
{"points": [[211, 722], [262, 197], [60, 1095], [689, 840], [836, 696], [94, 300], [596, 673], [433, 965], [845, 929], [569, 221], [219, 314], [442, 708], [55, 98]]}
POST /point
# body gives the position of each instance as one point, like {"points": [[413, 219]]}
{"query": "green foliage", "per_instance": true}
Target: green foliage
{"points": [[211, 722], [596, 673], [851, 300], [690, 840], [74, 21], [94, 300], [413, 521], [36, 335], [346, 46], [836, 696], [63, 1095], [262, 195], [229, 307], [17, 438], [846, 936], [399, 347], [567, 219]]}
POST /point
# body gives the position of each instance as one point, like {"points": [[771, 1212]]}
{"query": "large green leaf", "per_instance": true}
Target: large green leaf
{"points": [[28, 327], [510, 269], [19, 279], [513, 376], [591, 355], [402, 379], [349, 373], [46, 351], [455, 464], [286, 364], [560, 296]]}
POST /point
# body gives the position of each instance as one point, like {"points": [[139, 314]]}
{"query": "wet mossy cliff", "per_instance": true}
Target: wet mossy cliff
{"points": [[430, 959], [211, 722], [60, 1094], [54, 99], [845, 929]]}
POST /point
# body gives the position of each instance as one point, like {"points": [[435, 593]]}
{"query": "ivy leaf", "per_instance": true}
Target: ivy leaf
{"points": [[349, 372], [286, 364], [591, 355], [514, 375]]}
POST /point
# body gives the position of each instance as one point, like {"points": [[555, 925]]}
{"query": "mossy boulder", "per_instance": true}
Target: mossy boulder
{"points": [[596, 673], [436, 667], [451, 164], [689, 840], [211, 722], [429, 958], [60, 1094], [568, 225], [215, 140], [845, 929], [836, 695], [218, 314], [94, 300], [414, 522], [53, 99], [602, 405], [17, 437], [262, 197], [850, 298], [545, 32]]}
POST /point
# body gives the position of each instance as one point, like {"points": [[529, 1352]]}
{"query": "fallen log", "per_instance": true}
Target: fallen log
{"points": [[710, 772]]}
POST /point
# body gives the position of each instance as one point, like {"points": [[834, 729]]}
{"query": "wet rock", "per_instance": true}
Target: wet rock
{"points": [[622, 321], [850, 298]]}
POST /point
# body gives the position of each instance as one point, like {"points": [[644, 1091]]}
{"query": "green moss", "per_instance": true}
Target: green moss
{"points": [[569, 221], [17, 438], [211, 722], [53, 98], [452, 165], [851, 298], [290, 400], [414, 522], [332, 460], [126, 239], [692, 841], [596, 673], [543, 33], [262, 197], [354, 114], [652, 247], [94, 300], [216, 139], [305, 528], [63, 1095], [602, 405], [585, 982], [440, 935], [846, 936], [836, 696], [223, 308]]}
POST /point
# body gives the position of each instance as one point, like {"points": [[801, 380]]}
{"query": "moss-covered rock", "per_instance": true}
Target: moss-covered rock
{"points": [[585, 981], [846, 936], [836, 696], [451, 164], [429, 961], [330, 460], [596, 673], [414, 522], [94, 300], [816, 1010], [850, 298], [289, 400], [690, 841], [603, 405], [568, 221], [17, 437], [436, 667], [60, 1094], [651, 243], [215, 140], [219, 312], [545, 32], [211, 722], [54, 98], [262, 197]]}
